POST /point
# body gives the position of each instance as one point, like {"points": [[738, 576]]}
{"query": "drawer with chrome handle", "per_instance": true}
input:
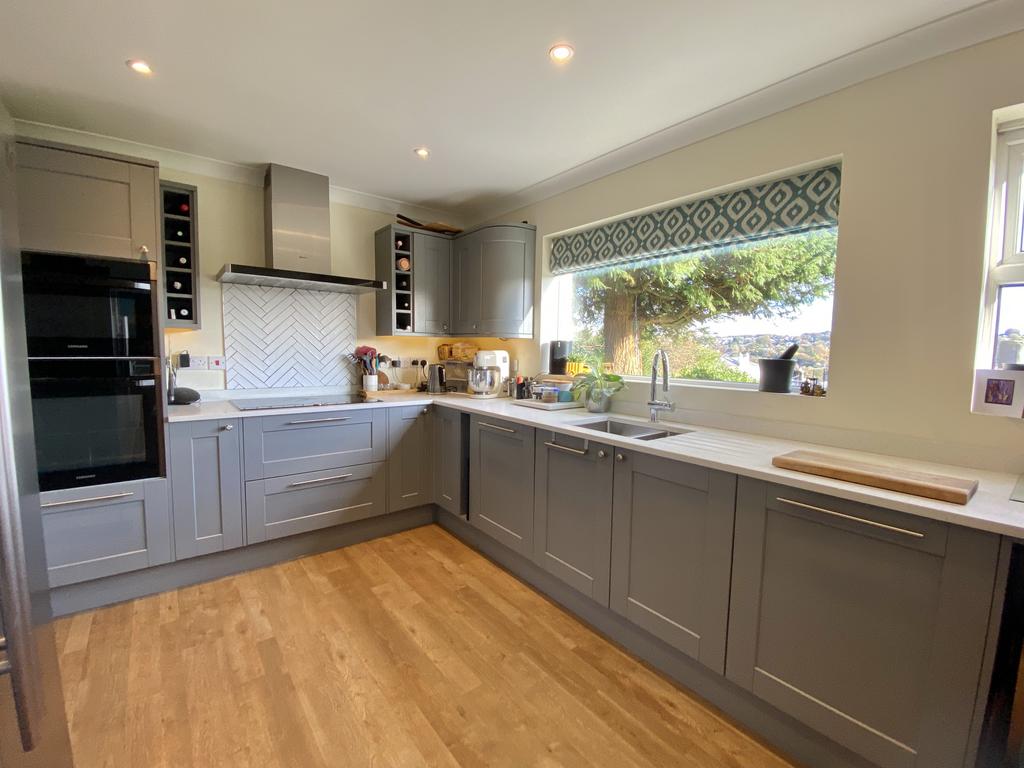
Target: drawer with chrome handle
{"points": [[852, 518], [859, 518], [497, 427], [299, 483], [87, 500], [327, 420]]}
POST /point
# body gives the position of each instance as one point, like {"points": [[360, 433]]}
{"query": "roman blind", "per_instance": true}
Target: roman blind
{"points": [[799, 203]]}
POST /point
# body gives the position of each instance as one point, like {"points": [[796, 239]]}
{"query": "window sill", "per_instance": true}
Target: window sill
{"points": [[733, 386]]}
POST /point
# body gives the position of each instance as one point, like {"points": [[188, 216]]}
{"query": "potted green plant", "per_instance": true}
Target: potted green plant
{"points": [[596, 387]]}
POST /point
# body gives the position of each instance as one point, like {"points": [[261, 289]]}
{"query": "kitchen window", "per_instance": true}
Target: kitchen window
{"points": [[717, 301], [1002, 339]]}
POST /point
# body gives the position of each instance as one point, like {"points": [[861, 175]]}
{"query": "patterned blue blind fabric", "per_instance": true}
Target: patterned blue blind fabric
{"points": [[800, 203]]}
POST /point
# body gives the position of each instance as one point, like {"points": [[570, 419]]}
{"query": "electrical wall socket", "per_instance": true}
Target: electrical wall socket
{"points": [[217, 362], [198, 362]]}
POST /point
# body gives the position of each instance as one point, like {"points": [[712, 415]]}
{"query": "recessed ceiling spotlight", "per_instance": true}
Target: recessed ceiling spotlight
{"points": [[139, 66], [422, 153], [561, 53]]}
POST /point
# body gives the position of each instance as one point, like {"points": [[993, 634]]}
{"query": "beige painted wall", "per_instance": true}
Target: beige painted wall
{"points": [[231, 231], [916, 154]]}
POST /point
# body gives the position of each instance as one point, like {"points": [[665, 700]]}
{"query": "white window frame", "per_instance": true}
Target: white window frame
{"points": [[1006, 233]]}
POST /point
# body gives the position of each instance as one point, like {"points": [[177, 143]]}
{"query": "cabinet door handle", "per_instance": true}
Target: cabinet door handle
{"points": [[143, 250], [319, 480], [109, 496], [495, 426], [853, 518], [601, 454], [228, 427], [425, 410], [620, 457], [320, 421], [567, 449]]}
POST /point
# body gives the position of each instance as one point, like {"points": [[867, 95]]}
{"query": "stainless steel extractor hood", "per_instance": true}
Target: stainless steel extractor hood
{"points": [[297, 220]]}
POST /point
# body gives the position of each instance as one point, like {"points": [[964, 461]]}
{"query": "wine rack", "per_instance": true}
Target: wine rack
{"points": [[181, 255], [396, 265]]}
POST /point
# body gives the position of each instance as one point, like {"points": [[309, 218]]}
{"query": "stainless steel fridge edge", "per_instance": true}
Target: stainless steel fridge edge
{"points": [[33, 725]]}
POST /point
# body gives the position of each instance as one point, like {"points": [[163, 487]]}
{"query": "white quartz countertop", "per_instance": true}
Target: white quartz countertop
{"points": [[744, 454]]}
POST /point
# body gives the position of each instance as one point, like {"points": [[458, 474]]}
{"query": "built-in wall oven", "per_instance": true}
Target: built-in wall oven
{"points": [[97, 402], [78, 306]]}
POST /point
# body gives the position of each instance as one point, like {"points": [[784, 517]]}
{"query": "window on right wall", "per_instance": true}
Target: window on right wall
{"points": [[1002, 340]]}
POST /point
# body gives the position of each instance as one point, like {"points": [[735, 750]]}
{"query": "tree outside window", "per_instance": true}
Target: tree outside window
{"points": [[716, 312]]}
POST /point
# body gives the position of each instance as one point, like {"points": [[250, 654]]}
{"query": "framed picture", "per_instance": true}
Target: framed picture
{"points": [[999, 393]]}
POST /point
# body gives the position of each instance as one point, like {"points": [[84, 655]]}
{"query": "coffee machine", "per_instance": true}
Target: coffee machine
{"points": [[488, 374]]}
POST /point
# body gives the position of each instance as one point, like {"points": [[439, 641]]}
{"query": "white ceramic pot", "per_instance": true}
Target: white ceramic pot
{"points": [[370, 383]]}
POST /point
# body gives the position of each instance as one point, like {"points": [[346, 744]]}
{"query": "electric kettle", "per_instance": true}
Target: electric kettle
{"points": [[435, 379]]}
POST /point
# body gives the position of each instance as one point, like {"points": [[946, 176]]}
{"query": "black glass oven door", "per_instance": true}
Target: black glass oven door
{"points": [[96, 421], [79, 307]]}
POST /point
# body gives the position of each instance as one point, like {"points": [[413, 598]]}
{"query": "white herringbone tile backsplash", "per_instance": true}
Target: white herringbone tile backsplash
{"points": [[282, 337]]}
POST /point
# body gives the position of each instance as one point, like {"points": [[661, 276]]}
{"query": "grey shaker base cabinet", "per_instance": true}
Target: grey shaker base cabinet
{"points": [[206, 486], [672, 552], [410, 468], [284, 506], [290, 444], [865, 624], [572, 537], [501, 481], [451, 460], [103, 530]]}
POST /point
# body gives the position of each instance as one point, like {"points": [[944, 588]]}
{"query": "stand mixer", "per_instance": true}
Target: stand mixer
{"points": [[488, 374]]}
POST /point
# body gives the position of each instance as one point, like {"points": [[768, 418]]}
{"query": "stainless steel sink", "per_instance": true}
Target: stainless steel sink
{"points": [[632, 429]]}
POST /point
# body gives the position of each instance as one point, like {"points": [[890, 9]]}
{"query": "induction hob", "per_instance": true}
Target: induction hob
{"points": [[308, 401]]}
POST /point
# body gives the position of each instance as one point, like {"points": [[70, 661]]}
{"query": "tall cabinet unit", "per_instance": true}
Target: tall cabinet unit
{"points": [[80, 201], [181, 255]]}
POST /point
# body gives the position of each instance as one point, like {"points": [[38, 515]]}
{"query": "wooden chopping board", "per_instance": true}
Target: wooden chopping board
{"points": [[956, 490]]}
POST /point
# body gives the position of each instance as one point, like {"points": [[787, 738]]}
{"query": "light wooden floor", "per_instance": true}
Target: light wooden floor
{"points": [[411, 650]]}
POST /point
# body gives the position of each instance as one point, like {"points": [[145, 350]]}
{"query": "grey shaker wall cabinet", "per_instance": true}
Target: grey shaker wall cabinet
{"points": [[283, 506], [573, 512], [410, 467], [494, 277], [206, 486], [466, 277], [451, 460], [104, 530], [84, 202], [479, 283], [672, 552], [296, 443], [865, 624], [501, 467], [432, 286]]}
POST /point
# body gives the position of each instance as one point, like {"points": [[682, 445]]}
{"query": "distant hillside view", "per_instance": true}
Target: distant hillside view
{"points": [[743, 352], [720, 358]]}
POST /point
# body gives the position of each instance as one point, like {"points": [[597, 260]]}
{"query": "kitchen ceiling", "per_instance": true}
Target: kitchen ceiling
{"points": [[349, 89]]}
